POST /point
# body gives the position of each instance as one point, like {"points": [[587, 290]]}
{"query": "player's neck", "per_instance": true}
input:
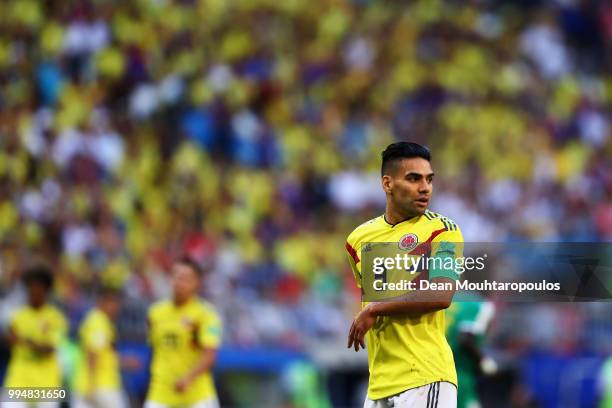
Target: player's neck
{"points": [[36, 305], [180, 301], [394, 217], [106, 312]]}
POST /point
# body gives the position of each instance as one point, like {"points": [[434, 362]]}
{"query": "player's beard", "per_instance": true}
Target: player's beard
{"points": [[410, 210], [418, 210]]}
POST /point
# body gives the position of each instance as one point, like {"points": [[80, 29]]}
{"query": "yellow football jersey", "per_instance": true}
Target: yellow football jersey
{"points": [[406, 352], [177, 335], [97, 334], [27, 367]]}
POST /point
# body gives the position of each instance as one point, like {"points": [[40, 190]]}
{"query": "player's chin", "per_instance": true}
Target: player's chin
{"points": [[420, 207]]}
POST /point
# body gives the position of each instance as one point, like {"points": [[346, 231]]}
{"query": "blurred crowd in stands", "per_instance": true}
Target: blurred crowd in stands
{"points": [[248, 134]]}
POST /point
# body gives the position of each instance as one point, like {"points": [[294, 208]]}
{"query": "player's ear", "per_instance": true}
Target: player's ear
{"points": [[387, 183]]}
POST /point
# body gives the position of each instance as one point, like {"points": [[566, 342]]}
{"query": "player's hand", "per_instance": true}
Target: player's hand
{"points": [[38, 347], [131, 363], [361, 324], [182, 384], [488, 366]]}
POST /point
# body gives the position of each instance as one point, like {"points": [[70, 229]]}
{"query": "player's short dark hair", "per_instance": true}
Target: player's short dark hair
{"points": [[39, 273], [402, 150], [190, 262]]}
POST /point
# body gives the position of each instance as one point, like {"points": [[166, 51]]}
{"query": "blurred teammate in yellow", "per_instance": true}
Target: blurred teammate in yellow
{"points": [[185, 333], [98, 379], [35, 332]]}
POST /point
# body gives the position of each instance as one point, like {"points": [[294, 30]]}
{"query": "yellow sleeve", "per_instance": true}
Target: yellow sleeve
{"points": [[354, 260], [210, 330], [454, 237], [447, 246]]}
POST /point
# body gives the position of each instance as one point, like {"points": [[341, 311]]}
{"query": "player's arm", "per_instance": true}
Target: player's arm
{"points": [[92, 363], [469, 344], [14, 339], [209, 339], [53, 339], [205, 363], [417, 302], [41, 347], [94, 338], [442, 277], [38, 347], [413, 304]]}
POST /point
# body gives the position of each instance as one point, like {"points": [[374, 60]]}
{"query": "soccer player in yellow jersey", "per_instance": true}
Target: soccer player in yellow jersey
{"points": [[98, 377], [410, 362], [35, 333], [185, 333]]}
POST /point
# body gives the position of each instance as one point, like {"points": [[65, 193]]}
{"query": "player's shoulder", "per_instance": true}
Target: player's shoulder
{"points": [[439, 221], [20, 313], [92, 322], [363, 229], [55, 312], [95, 317], [159, 307], [90, 318], [204, 307]]}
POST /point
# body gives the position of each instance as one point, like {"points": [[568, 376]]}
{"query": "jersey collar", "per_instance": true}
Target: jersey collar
{"points": [[401, 222]]}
